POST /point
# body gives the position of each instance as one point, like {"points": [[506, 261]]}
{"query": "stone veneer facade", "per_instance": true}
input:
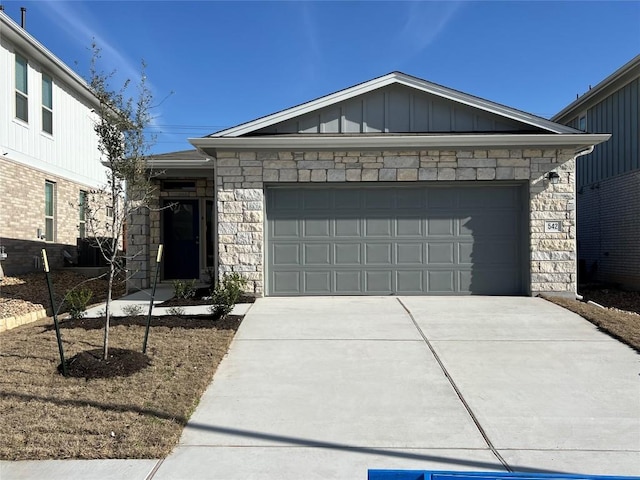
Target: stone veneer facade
{"points": [[241, 176]]}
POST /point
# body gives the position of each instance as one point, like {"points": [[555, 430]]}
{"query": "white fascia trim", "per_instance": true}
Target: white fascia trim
{"points": [[394, 78], [396, 142]]}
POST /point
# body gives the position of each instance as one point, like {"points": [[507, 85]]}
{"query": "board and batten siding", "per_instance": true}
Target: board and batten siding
{"points": [[72, 150], [395, 109], [618, 114]]}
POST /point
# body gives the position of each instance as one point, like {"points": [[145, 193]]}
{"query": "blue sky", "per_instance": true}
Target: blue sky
{"points": [[231, 62]]}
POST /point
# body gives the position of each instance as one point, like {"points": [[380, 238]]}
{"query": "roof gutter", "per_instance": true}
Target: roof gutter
{"points": [[579, 142]]}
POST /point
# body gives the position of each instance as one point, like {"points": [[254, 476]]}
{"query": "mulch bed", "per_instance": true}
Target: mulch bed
{"points": [[186, 302], [120, 362]]}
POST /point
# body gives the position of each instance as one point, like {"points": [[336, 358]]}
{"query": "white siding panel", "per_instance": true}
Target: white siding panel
{"points": [[330, 119], [374, 113], [352, 120], [399, 111], [72, 151]]}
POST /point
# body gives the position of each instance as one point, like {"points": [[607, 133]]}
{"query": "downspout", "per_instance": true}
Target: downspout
{"points": [[579, 154]]}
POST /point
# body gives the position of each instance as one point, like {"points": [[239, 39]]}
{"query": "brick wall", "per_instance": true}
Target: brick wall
{"points": [[22, 213], [240, 178], [609, 231]]}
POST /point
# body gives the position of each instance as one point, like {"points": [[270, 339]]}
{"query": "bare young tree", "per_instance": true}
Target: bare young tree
{"points": [[123, 141]]}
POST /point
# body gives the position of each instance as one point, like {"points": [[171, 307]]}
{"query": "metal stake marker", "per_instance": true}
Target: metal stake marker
{"points": [[45, 263], [153, 295]]}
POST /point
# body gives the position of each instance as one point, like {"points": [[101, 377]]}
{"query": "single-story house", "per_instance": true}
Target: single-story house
{"points": [[393, 186]]}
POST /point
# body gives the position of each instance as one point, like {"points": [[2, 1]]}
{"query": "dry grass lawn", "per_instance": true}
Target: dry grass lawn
{"points": [[620, 324], [47, 416]]}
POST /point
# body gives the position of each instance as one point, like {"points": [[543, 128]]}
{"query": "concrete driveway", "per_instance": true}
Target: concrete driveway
{"points": [[329, 387]]}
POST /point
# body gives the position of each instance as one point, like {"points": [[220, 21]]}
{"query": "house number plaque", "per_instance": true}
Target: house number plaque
{"points": [[552, 226]]}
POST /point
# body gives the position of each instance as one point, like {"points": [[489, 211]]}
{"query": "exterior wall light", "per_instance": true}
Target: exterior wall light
{"points": [[553, 177]]}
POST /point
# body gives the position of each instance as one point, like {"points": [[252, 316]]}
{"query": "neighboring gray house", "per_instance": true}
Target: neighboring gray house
{"points": [[393, 186], [608, 180]]}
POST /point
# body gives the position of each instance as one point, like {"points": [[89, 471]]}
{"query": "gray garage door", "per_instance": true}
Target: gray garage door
{"points": [[381, 240]]}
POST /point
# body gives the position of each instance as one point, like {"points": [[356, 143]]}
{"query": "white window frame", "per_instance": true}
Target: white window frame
{"points": [[83, 197], [50, 219], [18, 92], [46, 108], [581, 117]]}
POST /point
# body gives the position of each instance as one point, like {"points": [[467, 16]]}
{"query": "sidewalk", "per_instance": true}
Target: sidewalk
{"points": [[164, 291]]}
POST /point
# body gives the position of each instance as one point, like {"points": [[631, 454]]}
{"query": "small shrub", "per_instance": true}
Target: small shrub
{"points": [[132, 310], [176, 311], [78, 299], [226, 294], [184, 288]]}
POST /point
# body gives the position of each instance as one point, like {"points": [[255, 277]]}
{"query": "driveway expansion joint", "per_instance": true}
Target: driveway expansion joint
{"points": [[456, 389]]}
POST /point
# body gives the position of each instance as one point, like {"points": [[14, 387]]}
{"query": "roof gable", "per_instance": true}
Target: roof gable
{"points": [[396, 103]]}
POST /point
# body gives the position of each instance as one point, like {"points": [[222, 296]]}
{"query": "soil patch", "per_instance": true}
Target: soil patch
{"points": [[119, 363]]}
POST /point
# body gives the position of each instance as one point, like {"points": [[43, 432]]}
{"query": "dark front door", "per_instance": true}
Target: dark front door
{"points": [[181, 230]]}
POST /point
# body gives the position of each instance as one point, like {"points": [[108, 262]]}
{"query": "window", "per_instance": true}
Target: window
{"points": [[49, 211], [22, 103], [47, 104], [82, 212], [582, 123], [109, 211]]}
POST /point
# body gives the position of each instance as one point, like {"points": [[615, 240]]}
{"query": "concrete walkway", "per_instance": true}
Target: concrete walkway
{"points": [[329, 387]]}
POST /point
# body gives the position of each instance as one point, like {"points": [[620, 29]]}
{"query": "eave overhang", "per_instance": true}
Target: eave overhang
{"points": [[579, 142], [174, 163]]}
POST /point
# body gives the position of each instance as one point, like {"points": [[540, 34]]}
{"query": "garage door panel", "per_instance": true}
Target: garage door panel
{"points": [[317, 254], [345, 199], [441, 253], [348, 282], [286, 200], [440, 198], [440, 226], [348, 254], [285, 227], [287, 282], [409, 227], [363, 239], [378, 281], [318, 283], [316, 227], [286, 254], [441, 281], [494, 281], [377, 227], [410, 282], [319, 200], [348, 227], [410, 199], [490, 252], [379, 200], [410, 253], [377, 254]]}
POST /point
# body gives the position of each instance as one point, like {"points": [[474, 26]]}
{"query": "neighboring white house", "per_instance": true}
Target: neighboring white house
{"points": [[608, 180], [49, 155]]}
